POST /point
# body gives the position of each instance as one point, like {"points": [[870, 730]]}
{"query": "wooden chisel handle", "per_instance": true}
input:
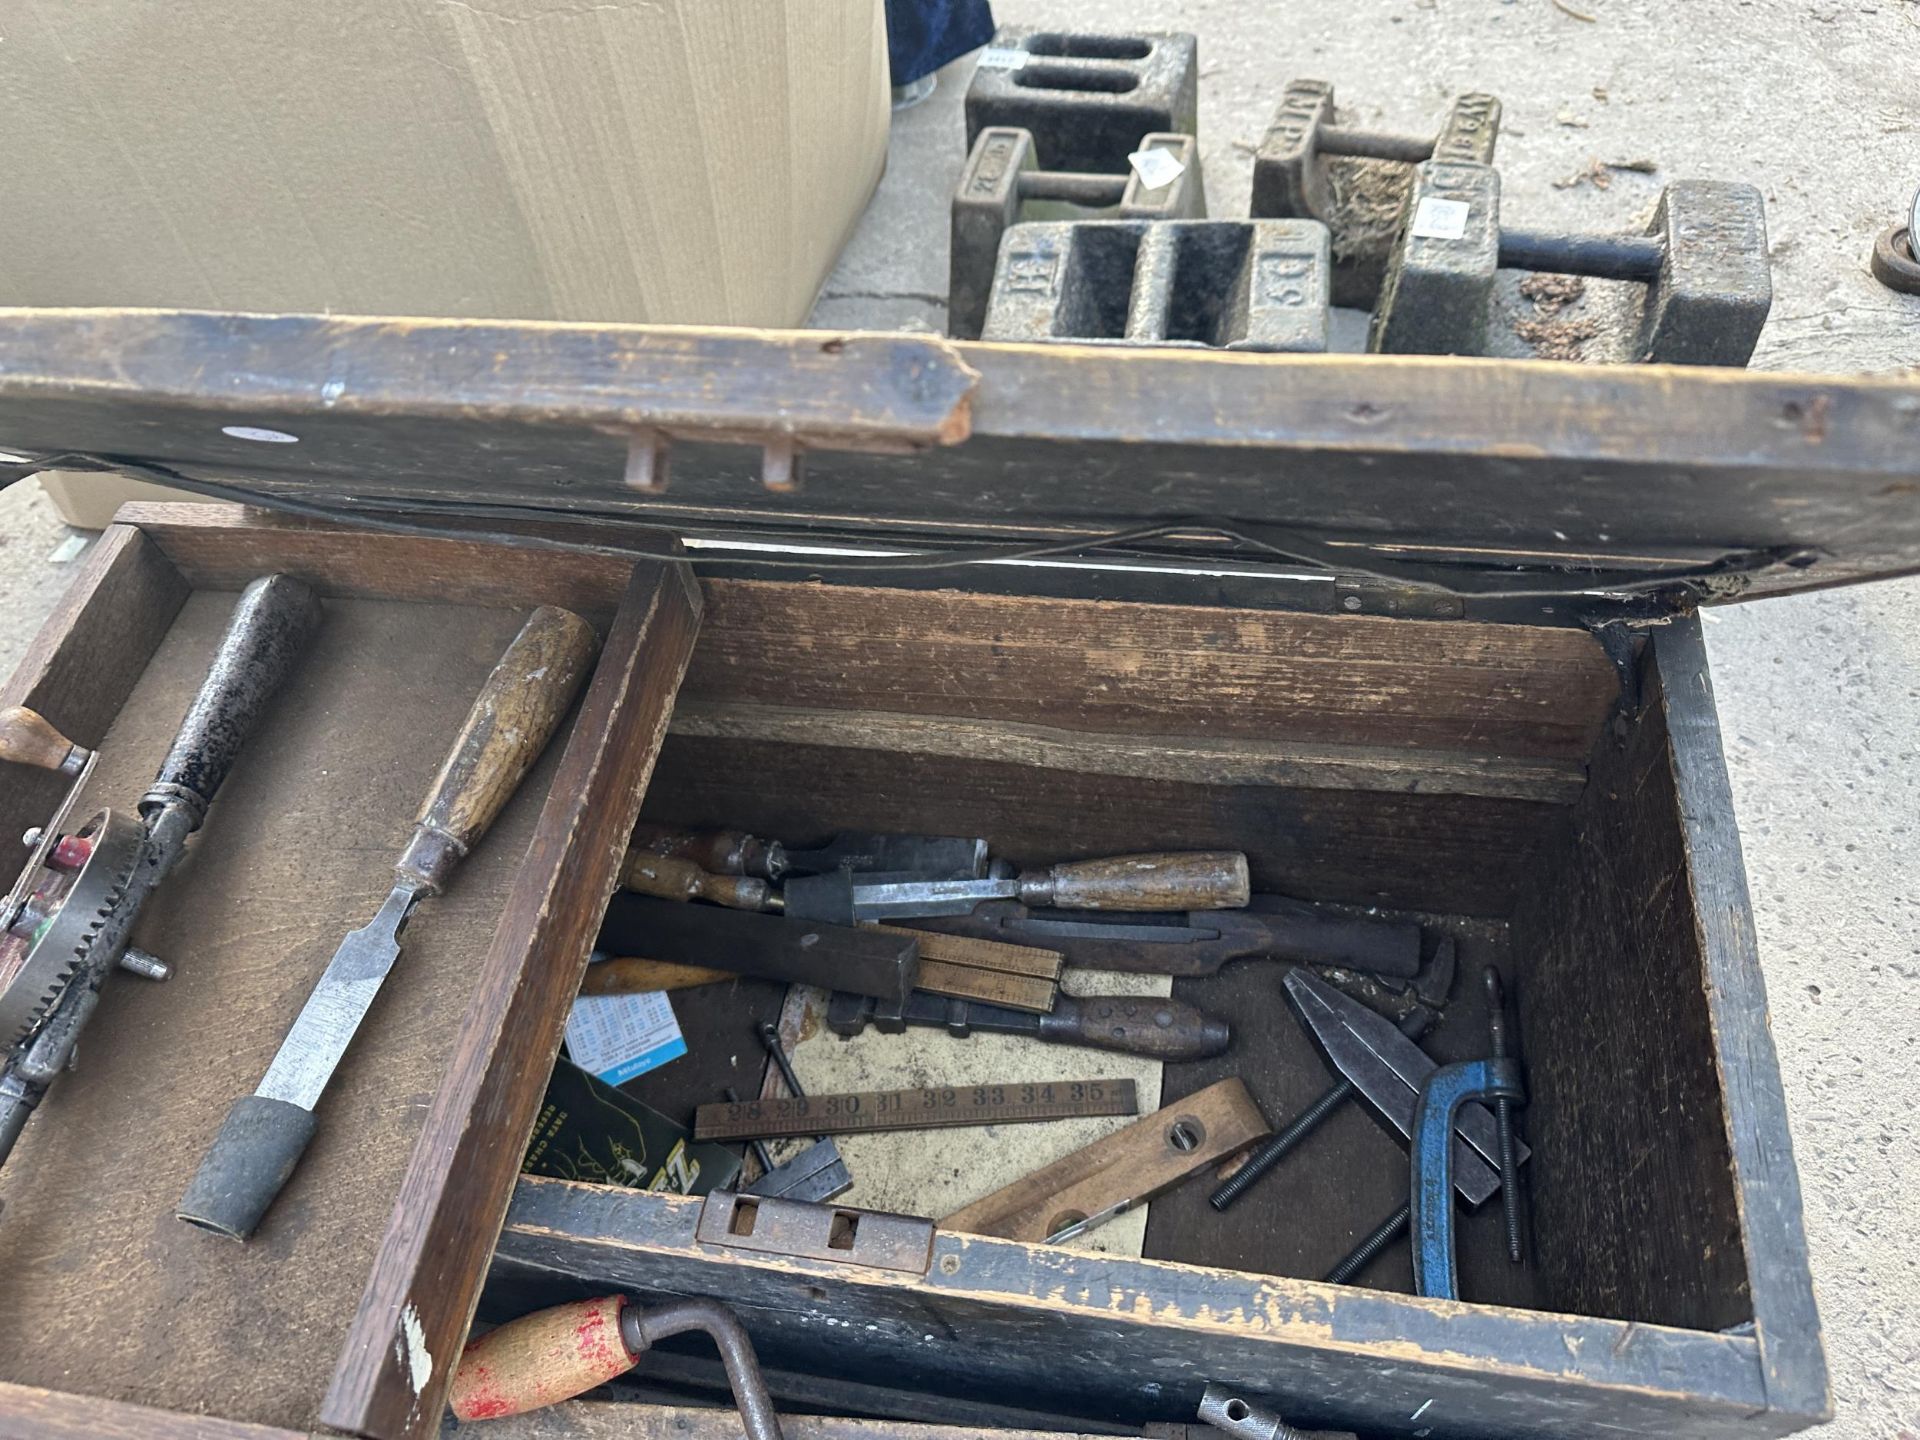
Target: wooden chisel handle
{"points": [[720, 852], [26, 738], [1159, 1028], [672, 878], [513, 718], [1198, 880]]}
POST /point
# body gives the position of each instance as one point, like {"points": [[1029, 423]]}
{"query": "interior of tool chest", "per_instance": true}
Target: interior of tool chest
{"points": [[1482, 778]]}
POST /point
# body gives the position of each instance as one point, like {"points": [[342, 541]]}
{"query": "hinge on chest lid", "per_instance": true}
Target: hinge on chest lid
{"points": [[887, 394], [801, 1230]]}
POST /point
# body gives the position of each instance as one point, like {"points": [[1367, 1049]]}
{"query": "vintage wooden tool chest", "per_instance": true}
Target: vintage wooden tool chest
{"points": [[1415, 634]]}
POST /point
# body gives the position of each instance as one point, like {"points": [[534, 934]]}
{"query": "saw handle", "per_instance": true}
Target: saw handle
{"points": [[512, 719], [26, 738], [1199, 880], [719, 852], [672, 877], [267, 634]]}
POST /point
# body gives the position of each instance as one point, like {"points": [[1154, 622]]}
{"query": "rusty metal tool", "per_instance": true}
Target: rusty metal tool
{"points": [[816, 1175], [554, 1355], [1389, 1071], [1271, 1152], [1158, 1028], [734, 852], [820, 1167], [69, 916], [1120, 1171], [1020, 976], [513, 717], [921, 1107], [28, 738], [1272, 927], [834, 957], [1234, 1413], [1198, 880]]}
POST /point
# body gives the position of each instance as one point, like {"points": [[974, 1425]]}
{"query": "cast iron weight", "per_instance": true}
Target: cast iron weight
{"points": [[1703, 261], [1290, 179], [259, 1144]]}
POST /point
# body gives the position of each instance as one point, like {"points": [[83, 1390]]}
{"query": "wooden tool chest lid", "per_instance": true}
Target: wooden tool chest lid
{"points": [[1421, 487]]}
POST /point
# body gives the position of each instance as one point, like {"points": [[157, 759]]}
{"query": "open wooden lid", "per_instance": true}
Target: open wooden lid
{"points": [[1419, 486]]}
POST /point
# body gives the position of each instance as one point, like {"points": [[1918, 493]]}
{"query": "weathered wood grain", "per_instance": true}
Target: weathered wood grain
{"points": [[82, 664], [1119, 671], [1773, 1235], [1144, 757], [1633, 1192], [30, 1413], [222, 547], [406, 1334], [1406, 458]]}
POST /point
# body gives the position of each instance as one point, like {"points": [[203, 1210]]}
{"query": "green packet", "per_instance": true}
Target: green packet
{"points": [[588, 1130]]}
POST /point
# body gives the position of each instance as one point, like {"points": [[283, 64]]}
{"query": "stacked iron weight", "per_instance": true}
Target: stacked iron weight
{"points": [[1081, 216]]}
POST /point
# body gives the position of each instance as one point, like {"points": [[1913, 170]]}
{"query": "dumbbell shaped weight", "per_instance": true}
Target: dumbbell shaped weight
{"points": [[1291, 179], [1003, 177], [1256, 285], [1702, 263], [1087, 99]]}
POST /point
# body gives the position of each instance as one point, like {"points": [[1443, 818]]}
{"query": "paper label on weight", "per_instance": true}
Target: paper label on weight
{"points": [[617, 1037], [1157, 169], [1003, 57], [1438, 218]]}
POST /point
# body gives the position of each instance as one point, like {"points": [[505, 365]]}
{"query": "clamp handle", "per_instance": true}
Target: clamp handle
{"points": [[1446, 1090], [267, 634]]}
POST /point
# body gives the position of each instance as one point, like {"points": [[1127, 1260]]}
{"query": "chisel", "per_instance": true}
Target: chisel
{"points": [[513, 717], [1200, 880], [734, 852], [1153, 1026]]}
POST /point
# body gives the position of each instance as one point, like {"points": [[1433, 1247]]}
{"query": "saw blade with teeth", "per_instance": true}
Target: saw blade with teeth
{"points": [[61, 951]]}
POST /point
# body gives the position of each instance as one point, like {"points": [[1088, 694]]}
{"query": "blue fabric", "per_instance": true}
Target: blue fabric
{"points": [[923, 35]]}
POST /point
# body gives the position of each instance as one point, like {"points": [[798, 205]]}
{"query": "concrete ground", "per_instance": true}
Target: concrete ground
{"points": [[1816, 103]]}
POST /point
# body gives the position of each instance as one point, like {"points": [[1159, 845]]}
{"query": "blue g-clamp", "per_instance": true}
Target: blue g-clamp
{"points": [[1446, 1090]]}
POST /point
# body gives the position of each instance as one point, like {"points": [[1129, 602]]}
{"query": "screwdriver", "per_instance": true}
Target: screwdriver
{"points": [[513, 717]]}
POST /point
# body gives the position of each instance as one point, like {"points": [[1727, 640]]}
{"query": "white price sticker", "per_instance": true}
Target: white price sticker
{"points": [[1438, 218], [1003, 57], [1157, 169], [617, 1037]]}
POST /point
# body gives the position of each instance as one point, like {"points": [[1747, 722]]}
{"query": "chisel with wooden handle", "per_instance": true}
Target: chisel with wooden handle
{"points": [[1200, 880], [518, 709]]}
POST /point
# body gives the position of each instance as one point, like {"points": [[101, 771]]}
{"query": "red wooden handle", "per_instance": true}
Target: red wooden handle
{"points": [[541, 1359]]}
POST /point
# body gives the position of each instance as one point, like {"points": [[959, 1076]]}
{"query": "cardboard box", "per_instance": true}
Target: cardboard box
{"points": [[639, 161], [636, 161]]}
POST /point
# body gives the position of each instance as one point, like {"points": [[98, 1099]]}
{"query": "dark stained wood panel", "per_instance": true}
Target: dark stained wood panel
{"points": [[1618, 1041], [1160, 670], [1622, 468], [1115, 1338]]}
